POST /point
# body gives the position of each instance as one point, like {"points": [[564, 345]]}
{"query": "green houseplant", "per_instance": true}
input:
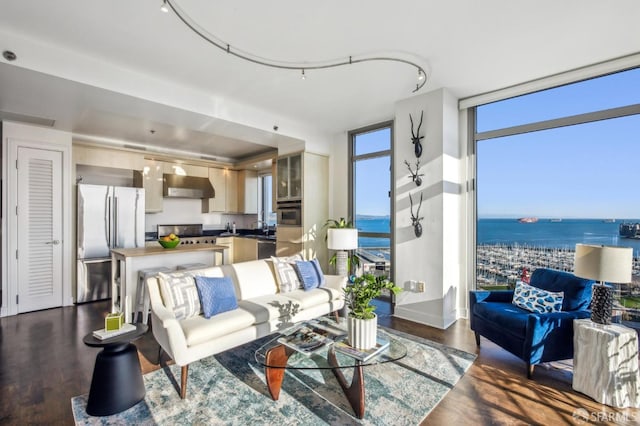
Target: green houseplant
{"points": [[362, 322]]}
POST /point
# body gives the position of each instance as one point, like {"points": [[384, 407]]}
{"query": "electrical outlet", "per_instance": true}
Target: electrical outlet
{"points": [[420, 287], [410, 285]]}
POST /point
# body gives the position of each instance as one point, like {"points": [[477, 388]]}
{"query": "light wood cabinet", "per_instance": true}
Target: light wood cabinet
{"points": [[152, 184], [218, 179], [248, 191], [289, 179], [101, 157], [232, 191], [225, 241], [186, 170], [245, 249]]}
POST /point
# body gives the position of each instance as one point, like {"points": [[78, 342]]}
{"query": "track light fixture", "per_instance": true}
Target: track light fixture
{"points": [[193, 26]]}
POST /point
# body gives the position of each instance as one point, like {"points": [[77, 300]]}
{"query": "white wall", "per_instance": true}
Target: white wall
{"points": [[437, 256], [177, 211]]}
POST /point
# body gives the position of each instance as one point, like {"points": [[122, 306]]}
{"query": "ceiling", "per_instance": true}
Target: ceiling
{"points": [[116, 70]]}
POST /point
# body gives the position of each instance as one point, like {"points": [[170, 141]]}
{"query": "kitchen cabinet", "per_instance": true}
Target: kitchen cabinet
{"points": [[186, 170], [289, 240], [152, 184], [245, 249], [218, 179], [248, 191], [101, 157], [232, 191], [289, 180], [227, 242]]}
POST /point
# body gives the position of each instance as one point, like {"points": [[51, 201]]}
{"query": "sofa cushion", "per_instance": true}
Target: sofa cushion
{"points": [[270, 307], [504, 313], [198, 329], [309, 273], [286, 275], [314, 297], [577, 291], [217, 295], [252, 279], [179, 293], [537, 300]]}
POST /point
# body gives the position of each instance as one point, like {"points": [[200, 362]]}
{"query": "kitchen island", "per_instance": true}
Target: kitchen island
{"points": [[125, 264]]}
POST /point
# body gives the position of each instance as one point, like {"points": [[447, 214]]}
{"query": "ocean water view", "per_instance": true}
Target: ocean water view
{"points": [[555, 233]]}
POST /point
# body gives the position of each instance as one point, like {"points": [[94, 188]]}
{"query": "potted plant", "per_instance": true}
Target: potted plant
{"points": [[362, 322], [352, 260]]}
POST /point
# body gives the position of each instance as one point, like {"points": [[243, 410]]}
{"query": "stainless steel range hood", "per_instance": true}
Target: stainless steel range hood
{"points": [[176, 186]]}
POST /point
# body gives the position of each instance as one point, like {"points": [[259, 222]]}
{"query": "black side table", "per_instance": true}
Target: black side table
{"points": [[117, 378]]}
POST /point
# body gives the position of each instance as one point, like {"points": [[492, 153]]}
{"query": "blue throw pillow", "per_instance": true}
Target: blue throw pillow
{"points": [[217, 295], [534, 299], [310, 274]]}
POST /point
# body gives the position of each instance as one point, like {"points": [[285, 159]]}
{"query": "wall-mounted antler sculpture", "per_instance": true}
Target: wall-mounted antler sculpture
{"points": [[417, 178], [415, 137], [415, 220]]}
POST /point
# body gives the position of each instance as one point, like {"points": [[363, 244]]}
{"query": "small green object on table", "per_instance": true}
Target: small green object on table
{"points": [[169, 244], [113, 321]]}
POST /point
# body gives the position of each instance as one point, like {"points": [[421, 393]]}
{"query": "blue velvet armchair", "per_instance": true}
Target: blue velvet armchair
{"points": [[532, 337]]}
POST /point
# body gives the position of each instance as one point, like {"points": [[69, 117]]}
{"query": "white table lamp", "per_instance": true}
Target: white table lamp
{"points": [[342, 239], [603, 264]]}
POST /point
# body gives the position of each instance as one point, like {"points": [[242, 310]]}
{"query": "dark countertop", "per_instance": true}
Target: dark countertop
{"points": [[249, 233]]}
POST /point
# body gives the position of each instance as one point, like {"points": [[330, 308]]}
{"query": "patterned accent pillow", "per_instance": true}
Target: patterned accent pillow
{"points": [[310, 274], [217, 295], [179, 293], [537, 300], [286, 275]]}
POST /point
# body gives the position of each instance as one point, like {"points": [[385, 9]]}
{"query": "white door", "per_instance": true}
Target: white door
{"points": [[40, 242]]}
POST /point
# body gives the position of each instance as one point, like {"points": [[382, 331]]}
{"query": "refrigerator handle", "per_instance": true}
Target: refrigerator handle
{"points": [[107, 221], [115, 221]]}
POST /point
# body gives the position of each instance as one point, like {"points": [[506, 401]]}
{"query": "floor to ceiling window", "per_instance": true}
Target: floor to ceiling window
{"points": [[370, 196], [556, 168]]}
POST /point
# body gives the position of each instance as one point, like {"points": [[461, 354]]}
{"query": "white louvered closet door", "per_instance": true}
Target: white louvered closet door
{"points": [[39, 229]]}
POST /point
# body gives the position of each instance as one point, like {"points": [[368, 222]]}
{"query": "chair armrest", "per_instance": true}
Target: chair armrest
{"points": [[505, 296], [337, 282], [550, 336]]}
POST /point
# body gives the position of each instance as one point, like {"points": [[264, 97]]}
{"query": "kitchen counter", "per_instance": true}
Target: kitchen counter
{"points": [[126, 263], [152, 251]]}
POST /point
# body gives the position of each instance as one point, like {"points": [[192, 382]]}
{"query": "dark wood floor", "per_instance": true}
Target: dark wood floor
{"points": [[43, 363]]}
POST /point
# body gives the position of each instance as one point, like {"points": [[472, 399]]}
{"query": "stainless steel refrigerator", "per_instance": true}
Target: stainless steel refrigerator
{"points": [[108, 217]]}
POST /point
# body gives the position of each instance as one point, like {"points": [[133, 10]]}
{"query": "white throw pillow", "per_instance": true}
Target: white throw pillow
{"points": [[180, 294], [537, 300], [286, 275]]}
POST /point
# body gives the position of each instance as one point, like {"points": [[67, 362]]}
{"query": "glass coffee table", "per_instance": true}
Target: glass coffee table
{"points": [[277, 357]]}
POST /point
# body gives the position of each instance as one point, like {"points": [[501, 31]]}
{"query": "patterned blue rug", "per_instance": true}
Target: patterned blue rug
{"points": [[230, 388]]}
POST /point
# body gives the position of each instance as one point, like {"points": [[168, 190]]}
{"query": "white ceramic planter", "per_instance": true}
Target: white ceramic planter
{"points": [[362, 333]]}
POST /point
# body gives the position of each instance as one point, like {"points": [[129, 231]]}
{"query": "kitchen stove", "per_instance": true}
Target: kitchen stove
{"points": [[188, 234]]}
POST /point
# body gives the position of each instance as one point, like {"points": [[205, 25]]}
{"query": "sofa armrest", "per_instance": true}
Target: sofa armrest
{"points": [[337, 282]]}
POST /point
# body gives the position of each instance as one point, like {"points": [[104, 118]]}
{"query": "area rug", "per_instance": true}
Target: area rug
{"points": [[230, 389]]}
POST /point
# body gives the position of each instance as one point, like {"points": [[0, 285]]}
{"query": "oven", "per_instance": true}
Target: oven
{"points": [[290, 213]]}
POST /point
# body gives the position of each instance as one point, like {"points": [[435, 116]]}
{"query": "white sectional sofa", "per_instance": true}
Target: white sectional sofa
{"points": [[262, 310]]}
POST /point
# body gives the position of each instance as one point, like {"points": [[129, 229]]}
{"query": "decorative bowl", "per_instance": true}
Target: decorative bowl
{"points": [[169, 244]]}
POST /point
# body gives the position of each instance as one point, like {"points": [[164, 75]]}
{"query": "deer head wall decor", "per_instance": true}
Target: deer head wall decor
{"points": [[417, 178], [415, 137], [415, 220]]}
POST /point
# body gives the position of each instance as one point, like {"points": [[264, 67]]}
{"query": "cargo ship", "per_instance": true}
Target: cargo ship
{"points": [[528, 220], [630, 230]]}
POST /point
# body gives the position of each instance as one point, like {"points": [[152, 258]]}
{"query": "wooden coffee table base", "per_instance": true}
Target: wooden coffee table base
{"points": [[277, 358]]}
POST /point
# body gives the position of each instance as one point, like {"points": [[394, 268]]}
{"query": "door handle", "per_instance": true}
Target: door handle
{"points": [[54, 242]]}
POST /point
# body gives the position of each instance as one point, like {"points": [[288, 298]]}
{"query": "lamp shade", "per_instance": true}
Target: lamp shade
{"points": [[342, 238], [603, 263]]}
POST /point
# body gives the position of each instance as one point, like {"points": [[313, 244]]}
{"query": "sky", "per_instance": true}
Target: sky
{"points": [[584, 171], [373, 176]]}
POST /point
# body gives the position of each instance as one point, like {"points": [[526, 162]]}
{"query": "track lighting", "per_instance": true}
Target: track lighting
{"points": [[213, 40]]}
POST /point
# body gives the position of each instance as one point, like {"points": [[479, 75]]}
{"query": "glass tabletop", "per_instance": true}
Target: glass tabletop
{"points": [[329, 355]]}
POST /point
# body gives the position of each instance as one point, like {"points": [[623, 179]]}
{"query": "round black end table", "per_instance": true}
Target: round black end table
{"points": [[117, 377]]}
